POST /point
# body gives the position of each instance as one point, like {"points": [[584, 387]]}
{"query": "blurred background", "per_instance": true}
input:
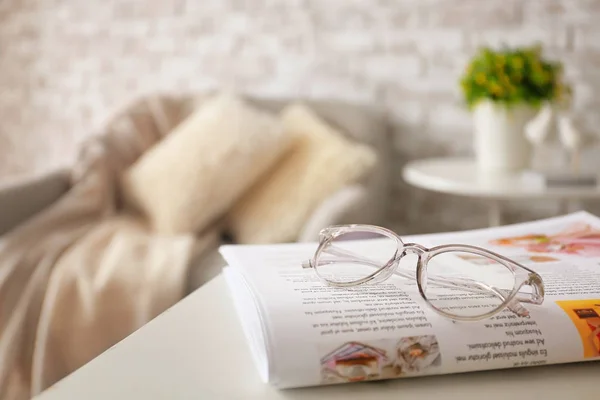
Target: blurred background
{"points": [[66, 66]]}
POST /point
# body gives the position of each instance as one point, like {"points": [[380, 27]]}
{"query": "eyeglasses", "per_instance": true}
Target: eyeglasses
{"points": [[461, 282]]}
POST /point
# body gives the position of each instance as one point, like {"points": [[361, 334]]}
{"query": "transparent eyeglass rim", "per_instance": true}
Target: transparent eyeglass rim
{"points": [[513, 300]]}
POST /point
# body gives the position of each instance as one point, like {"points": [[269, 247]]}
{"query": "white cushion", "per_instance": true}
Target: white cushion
{"points": [[321, 161], [190, 178]]}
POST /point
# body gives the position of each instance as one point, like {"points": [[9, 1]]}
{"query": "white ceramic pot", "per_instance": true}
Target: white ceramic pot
{"points": [[500, 143]]}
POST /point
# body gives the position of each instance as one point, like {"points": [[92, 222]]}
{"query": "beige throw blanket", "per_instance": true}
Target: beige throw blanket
{"points": [[86, 272]]}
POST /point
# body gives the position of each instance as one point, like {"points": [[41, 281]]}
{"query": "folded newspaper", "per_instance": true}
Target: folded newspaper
{"points": [[304, 333]]}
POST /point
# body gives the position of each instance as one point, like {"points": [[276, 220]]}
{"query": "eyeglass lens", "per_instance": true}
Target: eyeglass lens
{"points": [[466, 284], [355, 255]]}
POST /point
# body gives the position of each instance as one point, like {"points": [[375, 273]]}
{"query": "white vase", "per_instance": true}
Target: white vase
{"points": [[500, 142]]}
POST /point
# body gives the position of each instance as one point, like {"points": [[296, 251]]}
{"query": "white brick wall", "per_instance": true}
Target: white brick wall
{"points": [[65, 65]]}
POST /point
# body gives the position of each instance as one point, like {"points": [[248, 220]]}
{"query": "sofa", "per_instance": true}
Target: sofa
{"points": [[365, 202]]}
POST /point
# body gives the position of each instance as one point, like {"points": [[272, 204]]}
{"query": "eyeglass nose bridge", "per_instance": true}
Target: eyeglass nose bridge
{"points": [[390, 268], [412, 248]]}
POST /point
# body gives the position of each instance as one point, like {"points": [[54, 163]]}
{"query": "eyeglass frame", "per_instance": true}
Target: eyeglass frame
{"points": [[523, 276]]}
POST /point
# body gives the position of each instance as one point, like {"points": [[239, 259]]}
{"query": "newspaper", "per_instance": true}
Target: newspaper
{"points": [[304, 333]]}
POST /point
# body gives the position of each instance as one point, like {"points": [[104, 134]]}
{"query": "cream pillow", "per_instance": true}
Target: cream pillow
{"points": [[320, 163], [200, 169]]}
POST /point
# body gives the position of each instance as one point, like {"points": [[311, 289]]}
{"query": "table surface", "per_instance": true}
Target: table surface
{"points": [[460, 176], [196, 350]]}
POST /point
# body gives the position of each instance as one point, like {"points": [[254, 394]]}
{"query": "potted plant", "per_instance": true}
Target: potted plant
{"points": [[504, 89]]}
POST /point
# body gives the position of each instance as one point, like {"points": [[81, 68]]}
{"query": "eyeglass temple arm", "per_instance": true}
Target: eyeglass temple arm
{"points": [[455, 283]]}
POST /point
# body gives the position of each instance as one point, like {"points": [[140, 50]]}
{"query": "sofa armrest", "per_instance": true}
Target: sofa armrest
{"points": [[343, 207], [23, 199]]}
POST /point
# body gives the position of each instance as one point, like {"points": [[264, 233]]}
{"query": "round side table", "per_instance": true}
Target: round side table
{"points": [[460, 176]]}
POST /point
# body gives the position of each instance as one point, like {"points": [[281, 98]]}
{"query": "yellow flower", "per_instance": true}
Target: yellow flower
{"points": [[500, 61], [480, 78], [496, 89], [536, 67], [517, 62]]}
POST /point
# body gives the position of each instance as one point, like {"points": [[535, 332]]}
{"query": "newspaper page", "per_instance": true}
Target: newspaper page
{"points": [[304, 333]]}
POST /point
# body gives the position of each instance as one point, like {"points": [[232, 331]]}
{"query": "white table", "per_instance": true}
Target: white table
{"points": [[196, 350], [460, 176]]}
